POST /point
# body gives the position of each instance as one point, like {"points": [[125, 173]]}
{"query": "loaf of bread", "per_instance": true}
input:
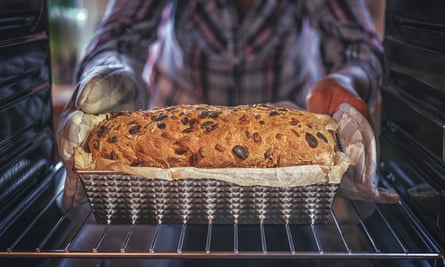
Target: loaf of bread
{"points": [[206, 136]]}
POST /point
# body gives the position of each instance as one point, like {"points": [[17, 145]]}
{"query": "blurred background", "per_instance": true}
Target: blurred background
{"points": [[72, 24]]}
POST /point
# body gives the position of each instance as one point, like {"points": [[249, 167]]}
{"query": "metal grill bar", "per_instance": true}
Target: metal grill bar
{"points": [[340, 232], [365, 229], [101, 239], [181, 238], [290, 240], [431, 245], [218, 255], [235, 238], [263, 238], [127, 239], [33, 222], [316, 238], [209, 237], [151, 248], [53, 230], [414, 222], [399, 242], [84, 221]]}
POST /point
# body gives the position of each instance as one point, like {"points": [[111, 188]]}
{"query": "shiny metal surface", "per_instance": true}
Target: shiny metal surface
{"points": [[357, 232], [26, 137], [122, 198]]}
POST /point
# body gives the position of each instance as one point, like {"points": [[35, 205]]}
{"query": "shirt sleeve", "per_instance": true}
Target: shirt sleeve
{"points": [[348, 38], [121, 40]]}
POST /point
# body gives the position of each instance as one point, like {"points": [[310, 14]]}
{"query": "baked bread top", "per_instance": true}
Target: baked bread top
{"points": [[206, 136]]}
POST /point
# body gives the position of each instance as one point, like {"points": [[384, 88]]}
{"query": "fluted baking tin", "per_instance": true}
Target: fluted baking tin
{"points": [[117, 198]]}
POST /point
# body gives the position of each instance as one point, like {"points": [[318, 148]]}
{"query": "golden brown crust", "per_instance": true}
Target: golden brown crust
{"points": [[205, 136]]}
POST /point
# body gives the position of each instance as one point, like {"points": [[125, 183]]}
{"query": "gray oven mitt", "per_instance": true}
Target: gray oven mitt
{"points": [[357, 139], [100, 90]]}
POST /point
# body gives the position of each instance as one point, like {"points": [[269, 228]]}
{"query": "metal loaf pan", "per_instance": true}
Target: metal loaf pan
{"points": [[117, 198]]}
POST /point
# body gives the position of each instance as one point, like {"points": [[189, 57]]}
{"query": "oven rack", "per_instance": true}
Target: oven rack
{"points": [[357, 230]]}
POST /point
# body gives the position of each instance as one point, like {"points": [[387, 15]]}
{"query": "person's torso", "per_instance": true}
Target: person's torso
{"points": [[205, 53]]}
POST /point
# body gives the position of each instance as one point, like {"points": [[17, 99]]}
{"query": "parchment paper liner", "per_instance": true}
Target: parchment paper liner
{"points": [[302, 175]]}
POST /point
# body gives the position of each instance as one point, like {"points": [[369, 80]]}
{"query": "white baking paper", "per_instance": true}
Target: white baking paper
{"points": [[302, 175]]}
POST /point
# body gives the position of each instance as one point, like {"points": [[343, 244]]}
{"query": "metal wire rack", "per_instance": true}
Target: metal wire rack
{"points": [[356, 230]]}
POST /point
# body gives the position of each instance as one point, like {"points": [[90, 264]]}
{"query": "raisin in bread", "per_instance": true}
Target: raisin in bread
{"points": [[206, 136]]}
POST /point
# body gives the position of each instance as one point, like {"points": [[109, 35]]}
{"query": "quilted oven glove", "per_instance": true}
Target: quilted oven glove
{"points": [[357, 139], [356, 136], [101, 90]]}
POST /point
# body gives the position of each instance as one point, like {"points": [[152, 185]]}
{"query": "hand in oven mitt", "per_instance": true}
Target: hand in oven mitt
{"points": [[358, 141], [101, 91]]}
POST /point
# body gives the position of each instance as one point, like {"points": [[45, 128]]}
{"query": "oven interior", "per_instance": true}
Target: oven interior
{"points": [[35, 232]]}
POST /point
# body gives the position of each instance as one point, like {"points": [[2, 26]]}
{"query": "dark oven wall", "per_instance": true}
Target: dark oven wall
{"points": [[26, 139], [413, 140]]}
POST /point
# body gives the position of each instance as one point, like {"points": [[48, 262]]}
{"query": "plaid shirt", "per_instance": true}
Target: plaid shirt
{"points": [[199, 51]]}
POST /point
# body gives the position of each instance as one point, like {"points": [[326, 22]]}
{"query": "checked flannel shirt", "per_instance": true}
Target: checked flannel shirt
{"points": [[199, 51]]}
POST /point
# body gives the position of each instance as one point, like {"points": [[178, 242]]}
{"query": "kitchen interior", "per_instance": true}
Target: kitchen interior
{"points": [[34, 231], [71, 26]]}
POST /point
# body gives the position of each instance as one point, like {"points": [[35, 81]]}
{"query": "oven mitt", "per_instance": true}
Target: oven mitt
{"points": [[100, 90], [357, 139]]}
